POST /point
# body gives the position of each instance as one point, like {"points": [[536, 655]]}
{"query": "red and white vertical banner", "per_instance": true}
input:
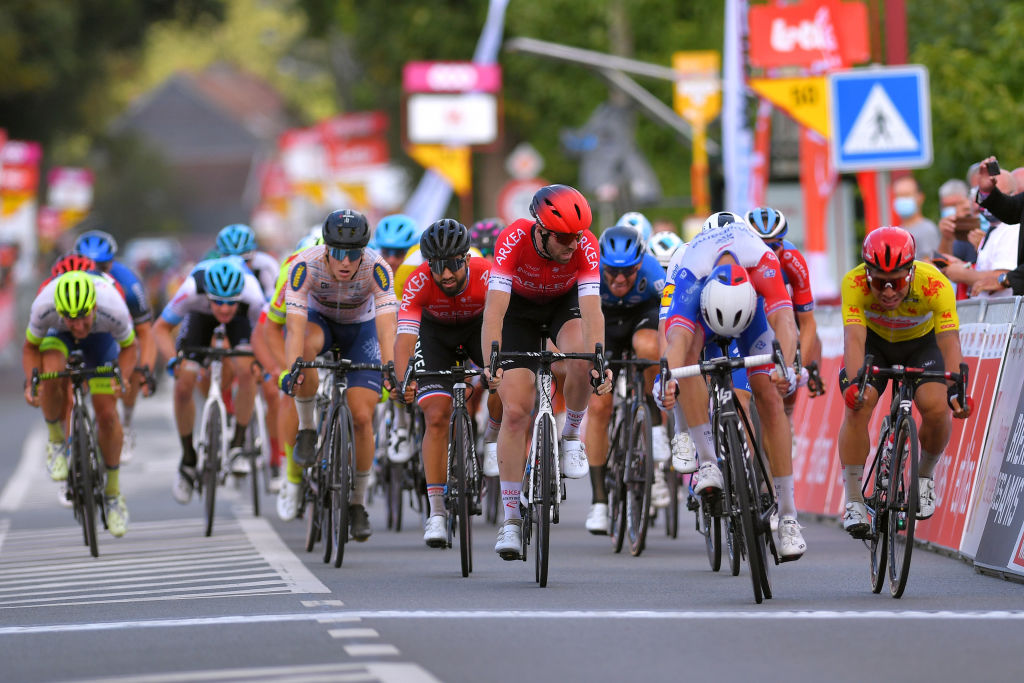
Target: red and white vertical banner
{"points": [[760, 162], [19, 185], [817, 179]]}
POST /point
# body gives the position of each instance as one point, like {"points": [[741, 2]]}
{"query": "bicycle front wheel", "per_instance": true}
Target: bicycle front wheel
{"points": [[638, 478], [212, 437], [462, 445], [614, 483], [711, 528], [903, 504], [341, 483], [743, 487], [86, 476], [544, 475]]}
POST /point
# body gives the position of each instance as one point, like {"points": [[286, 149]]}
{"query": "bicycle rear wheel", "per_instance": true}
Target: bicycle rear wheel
{"points": [[746, 498], [324, 462], [212, 436], [710, 526], [341, 484], [902, 504], [310, 501], [614, 483], [462, 441], [638, 478], [672, 511], [544, 477]]}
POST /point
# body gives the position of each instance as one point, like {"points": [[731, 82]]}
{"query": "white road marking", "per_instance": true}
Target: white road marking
{"points": [[322, 603], [370, 650], [669, 615], [353, 633], [33, 455], [365, 671], [286, 563]]}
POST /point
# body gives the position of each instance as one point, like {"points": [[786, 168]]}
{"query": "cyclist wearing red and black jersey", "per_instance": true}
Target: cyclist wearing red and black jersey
{"points": [[631, 284], [441, 312], [725, 272], [339, 295], [902, 312], [545, 275], [772, 226]]}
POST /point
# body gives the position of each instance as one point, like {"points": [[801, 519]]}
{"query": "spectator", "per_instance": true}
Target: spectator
{"points": [[1018, 175], [906, 201], [997, 253], [955, 203]]}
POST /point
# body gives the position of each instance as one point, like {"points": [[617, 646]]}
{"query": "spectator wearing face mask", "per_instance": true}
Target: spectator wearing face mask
{"points": [[956, 218], [998, 251], [906, 202]]}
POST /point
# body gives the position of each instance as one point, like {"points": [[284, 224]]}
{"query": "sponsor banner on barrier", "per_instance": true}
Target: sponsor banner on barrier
{"points": [[1001, 425]]}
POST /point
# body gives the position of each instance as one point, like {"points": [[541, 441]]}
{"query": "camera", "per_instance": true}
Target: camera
{"points": [[992, 167]]}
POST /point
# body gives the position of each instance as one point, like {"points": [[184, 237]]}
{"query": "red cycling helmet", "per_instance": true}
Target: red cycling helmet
{"points": [[888, 249], [560, 208], [72, 262]]}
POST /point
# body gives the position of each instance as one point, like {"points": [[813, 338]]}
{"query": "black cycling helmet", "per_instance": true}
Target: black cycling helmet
{"points": [[445, 238], [346, 229]]}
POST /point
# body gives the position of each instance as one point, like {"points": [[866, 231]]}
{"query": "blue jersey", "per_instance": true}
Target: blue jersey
{"points": [[650, 280], [134, 293]]}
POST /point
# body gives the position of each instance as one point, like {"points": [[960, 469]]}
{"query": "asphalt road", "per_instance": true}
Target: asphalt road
{"points": [[165, 603]]}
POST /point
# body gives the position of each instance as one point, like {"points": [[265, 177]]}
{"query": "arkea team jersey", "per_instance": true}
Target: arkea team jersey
{"points": [[311, 287], [518, 267], [930, 305], [413, 260], [191, 297], [762, 266], [796, 276], [423, 298], [650, 282], [112, 314]]}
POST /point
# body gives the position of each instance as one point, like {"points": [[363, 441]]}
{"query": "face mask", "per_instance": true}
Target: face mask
{"points": [[905, 206], [948, 211]]}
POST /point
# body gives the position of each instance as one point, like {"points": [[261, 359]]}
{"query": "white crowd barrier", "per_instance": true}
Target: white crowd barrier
{"points": [[980, 480]]}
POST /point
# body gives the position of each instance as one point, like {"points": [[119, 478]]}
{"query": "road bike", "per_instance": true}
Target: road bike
{"points": [[214, 425], [462, 493], [86, 471], [327, 483], [747, 500], [892, 479], [543, 488], [398, 479], [630, 470]]}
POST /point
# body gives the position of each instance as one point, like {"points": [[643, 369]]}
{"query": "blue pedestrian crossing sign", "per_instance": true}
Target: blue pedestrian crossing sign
{"points": [[880, 118]]}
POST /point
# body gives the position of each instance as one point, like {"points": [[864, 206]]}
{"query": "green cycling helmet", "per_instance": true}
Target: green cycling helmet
{"points": [[75, 295]]}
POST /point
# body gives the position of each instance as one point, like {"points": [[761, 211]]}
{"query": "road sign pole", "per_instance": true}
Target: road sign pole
{"points": [[699, 186], [884, 212]]}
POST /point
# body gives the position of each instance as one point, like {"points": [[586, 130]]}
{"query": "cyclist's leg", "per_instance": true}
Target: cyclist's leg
{"points": [[518, 394], [239, 330], [54, 399], [319, 337], [854, 442], [936, 423]]}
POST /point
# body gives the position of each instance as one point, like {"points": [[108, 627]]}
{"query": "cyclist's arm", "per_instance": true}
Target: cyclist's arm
{"points": [[31, 358], [405, 344], [784, 325], [270, 347], [593, 321], [495, 307], [295, 333], [854, 338], [949, 345], [163, 338], [386, 322], [147, 343], [810, 344], [126, 360]]}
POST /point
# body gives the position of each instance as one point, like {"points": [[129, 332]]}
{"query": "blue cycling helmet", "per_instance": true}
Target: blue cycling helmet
{"points": [[621, 247], [224, 279], [98, 245], [396, 231], [639, 222], [769, 223], [237, 239]]}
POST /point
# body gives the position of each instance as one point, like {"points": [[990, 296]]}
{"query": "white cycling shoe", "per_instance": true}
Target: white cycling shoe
{"points": [[597, 519], [435, 531], [684, 453], [491, 459], [791, 542], [288, 501], [707, 478], [510, 540], [925, 497], [574, 458]]}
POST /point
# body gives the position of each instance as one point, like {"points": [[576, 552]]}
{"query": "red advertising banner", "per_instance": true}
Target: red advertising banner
{"points": [[355, 153], [362, 124], [809, 33]]}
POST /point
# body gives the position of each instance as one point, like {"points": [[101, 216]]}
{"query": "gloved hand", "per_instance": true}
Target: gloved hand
{"points": [[171, 364], [964, 406], [850, 396], [285, 382]]}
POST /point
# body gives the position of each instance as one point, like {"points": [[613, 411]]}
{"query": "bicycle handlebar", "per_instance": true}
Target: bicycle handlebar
{"points": [[597, 358], [77, 372], [208, 353], [902, 372]]}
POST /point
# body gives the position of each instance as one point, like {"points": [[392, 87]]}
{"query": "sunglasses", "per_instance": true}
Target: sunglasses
{"points": [[393, 253], [898, 284], [222, 302], [438, 266], [339, 254], [614, 271], [565, 238]]}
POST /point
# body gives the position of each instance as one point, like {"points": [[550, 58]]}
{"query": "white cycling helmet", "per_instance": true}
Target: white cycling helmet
{"points": [[728, 301], [722, 219], [663, 245], [635, 219]]}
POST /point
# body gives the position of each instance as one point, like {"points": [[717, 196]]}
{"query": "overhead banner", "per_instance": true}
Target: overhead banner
{"points": [[804, 99], [452, 163], [812, 34]]}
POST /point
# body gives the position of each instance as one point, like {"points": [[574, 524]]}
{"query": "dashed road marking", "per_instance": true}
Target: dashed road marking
{"points": [[370, 650]]}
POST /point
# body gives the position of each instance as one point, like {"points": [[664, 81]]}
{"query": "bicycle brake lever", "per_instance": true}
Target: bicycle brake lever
{"points": [[493, 365], [599, 366]]}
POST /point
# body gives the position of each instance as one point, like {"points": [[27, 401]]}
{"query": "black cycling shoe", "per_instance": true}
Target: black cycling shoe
{"points": [[359, 523], [305, 446]]}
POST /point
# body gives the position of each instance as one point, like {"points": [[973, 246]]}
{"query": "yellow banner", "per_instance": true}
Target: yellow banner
{"points": [[803, 99], [698, 89], [451, 162]]}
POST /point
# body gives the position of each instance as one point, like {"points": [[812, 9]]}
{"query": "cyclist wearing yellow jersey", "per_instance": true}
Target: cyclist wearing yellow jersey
{"points": [[900, 311]]}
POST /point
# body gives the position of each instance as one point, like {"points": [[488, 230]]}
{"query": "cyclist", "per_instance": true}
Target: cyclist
{"points": [[441, 312], [638, 222], [344, 289], [396, 238], [101, 247], [483, 235], [82, 311], [663, 246], [545, 273], [903, 312], [631, 286], [239, 240], [217, 292], [771, 225], [729, 284]]}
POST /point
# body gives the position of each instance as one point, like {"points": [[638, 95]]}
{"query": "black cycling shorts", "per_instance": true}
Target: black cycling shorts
{"points": [[621, 323], [197, 329], [922, 352], [521, 330], [436, 349]]}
